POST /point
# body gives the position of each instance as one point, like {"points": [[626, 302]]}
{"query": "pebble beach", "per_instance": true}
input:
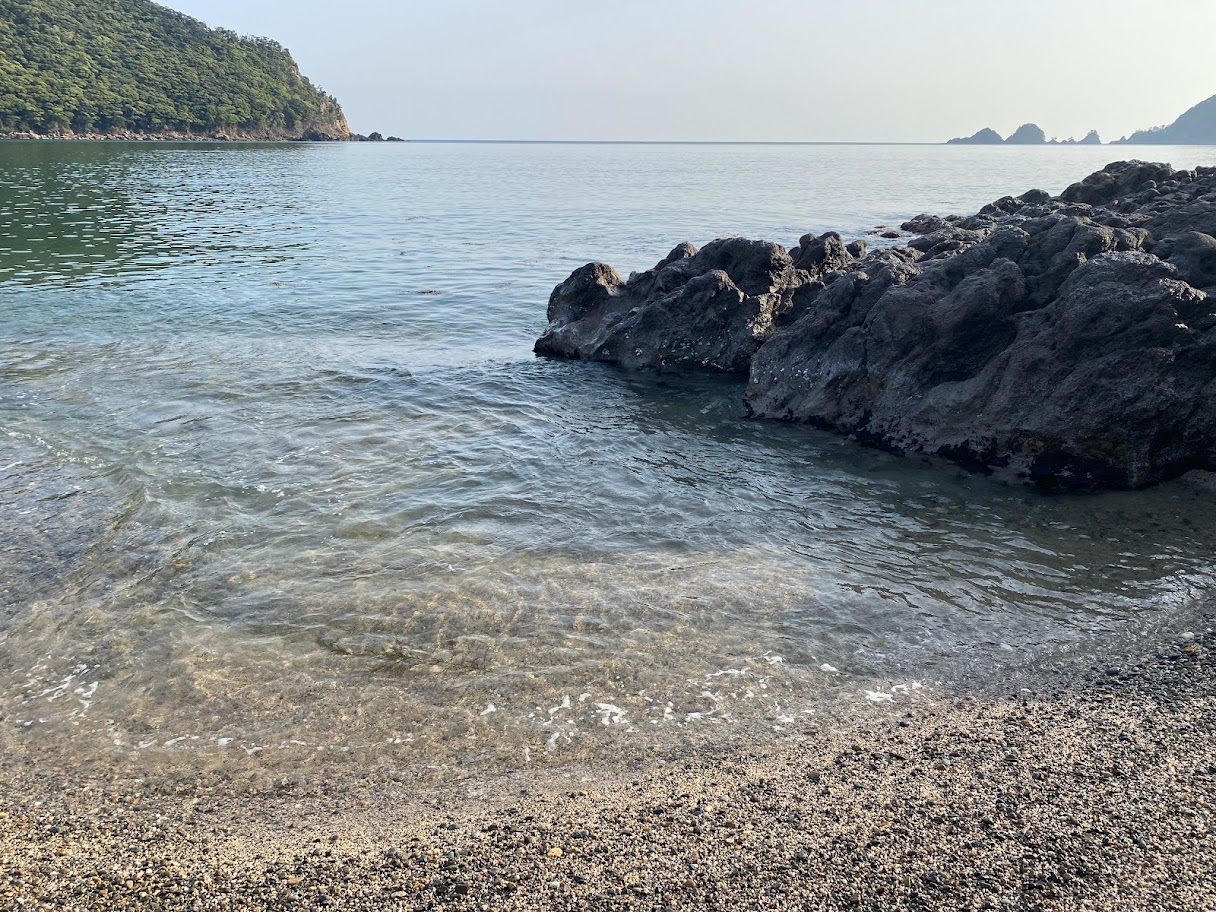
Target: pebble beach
{"points": [[1083, 787]]}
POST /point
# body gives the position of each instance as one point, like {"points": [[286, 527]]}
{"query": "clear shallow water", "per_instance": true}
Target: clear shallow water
{"points": [[281, 477]]}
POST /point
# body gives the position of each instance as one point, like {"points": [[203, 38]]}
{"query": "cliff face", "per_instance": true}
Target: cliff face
{"points": [[1196, 127], [93, 68]]}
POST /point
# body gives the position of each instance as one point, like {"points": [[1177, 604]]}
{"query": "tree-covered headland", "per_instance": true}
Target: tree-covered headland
{"points": [[117, 67]]}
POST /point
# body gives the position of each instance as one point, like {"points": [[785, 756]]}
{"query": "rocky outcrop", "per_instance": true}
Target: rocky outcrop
{"points": [[1069, 340], [710, 308], [375, 137]]}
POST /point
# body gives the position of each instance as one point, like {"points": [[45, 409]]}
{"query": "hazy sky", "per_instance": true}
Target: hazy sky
{"points": [[875, 70]]}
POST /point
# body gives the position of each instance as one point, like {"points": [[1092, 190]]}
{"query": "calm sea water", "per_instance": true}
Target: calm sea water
{"points": [[281, 478]]}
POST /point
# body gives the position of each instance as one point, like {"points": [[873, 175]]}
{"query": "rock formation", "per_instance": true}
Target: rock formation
{"points": [[1070, 340], [707, 309]]}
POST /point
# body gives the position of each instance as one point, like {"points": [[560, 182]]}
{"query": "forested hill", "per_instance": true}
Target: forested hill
{"points": [[1196, 127], [88, 67]]}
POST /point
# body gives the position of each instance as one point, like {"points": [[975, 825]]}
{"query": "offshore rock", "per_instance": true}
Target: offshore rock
{"points": [[705, 309], [1069, 340]]}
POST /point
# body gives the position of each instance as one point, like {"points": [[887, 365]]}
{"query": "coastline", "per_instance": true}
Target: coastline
{"points": [[171, 136], [1086, 785]]}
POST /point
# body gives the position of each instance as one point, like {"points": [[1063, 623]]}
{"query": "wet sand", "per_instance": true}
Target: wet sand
{"points": [[1083, 787]]}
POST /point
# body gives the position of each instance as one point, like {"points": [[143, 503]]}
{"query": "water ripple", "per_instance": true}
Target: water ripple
{"points": [[279, 468]]}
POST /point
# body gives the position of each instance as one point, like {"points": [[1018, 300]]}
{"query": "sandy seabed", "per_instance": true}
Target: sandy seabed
{"points": [[1084, 787]]}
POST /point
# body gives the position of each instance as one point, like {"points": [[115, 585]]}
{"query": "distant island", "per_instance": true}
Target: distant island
{"points": [[1195, 127], [1025, 135], [95, 69]]}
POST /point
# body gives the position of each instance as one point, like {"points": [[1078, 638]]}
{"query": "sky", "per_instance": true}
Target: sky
{"points": [[742, 70]]}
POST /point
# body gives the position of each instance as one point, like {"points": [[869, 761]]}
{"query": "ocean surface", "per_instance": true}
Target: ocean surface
{"points": [[283, 484]]}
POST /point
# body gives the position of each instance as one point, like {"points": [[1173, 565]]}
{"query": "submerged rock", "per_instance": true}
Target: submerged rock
{"points": [[1070, 340]]}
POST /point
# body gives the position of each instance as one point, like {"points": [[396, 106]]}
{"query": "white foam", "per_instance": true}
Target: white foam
{"points": [[611, 714]]}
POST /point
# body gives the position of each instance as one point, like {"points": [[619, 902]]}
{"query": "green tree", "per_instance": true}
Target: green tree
{"points": [[112, 65]]}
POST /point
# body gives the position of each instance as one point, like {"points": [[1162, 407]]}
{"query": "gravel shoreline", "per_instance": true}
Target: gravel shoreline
{"points": [[1091, 788]]}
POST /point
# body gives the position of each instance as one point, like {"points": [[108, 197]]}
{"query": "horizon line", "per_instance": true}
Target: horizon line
{"points": [[789, 142], [728, 142], [678, 142]]}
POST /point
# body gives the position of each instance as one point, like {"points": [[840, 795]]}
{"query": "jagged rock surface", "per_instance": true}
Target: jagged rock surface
{"points": [[1070, 340], [706, 309]]}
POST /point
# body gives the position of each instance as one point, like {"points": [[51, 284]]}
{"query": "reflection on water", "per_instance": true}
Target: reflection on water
{"points": [[283, 481], [72, 214]]}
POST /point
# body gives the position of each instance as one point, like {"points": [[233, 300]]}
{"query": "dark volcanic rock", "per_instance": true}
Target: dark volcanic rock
{"points": [[1194, 255], [708, 309], [1121, 179], [1069, 340], [825, 254]]}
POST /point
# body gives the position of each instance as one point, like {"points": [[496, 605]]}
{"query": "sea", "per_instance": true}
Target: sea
{"points": [[284, 487]]}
